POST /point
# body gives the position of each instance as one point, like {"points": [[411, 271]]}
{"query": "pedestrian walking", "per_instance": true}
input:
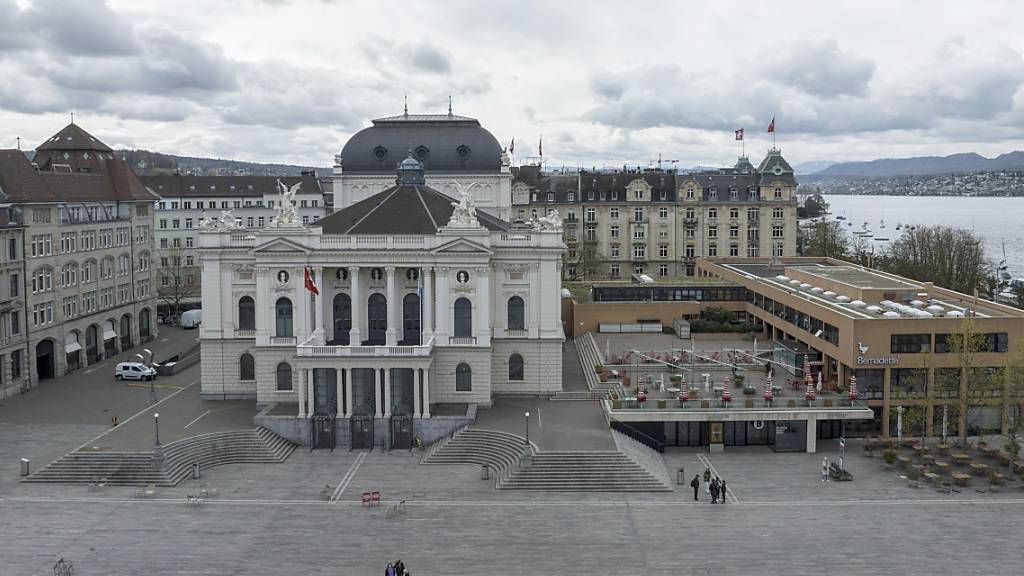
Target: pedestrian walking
{"points": [[707, 475], [721, 486], [824, 469], [695, 484], [399, 568], [390, 570], [714, 491]]}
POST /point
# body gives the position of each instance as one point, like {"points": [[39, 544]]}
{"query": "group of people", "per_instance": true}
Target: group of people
{"points": [[396, 568], [713, 486]]}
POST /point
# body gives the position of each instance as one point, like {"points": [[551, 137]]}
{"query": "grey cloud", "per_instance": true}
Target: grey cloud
{"points": [[429, 58], [419, 57], [80, 27], [822, 69]]}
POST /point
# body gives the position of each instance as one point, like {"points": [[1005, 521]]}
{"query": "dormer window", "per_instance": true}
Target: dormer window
{"points": [[590, 195], [571, 197], [734, 194], [712, 194], [778, 193], [551, 197], [689, 193], [615, 195]]}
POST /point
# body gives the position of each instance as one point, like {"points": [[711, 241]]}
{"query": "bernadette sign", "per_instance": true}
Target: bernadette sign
{"points": [[883, 361]]}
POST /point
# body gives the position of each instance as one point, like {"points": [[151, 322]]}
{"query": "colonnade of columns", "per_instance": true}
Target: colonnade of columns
{"points": [[382, 392], [394, 330]]}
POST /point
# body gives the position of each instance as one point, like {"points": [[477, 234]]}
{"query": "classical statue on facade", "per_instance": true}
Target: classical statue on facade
{"points": [[550, 223], [464, 213], [226, 221], [286, 213], [206, 223]]}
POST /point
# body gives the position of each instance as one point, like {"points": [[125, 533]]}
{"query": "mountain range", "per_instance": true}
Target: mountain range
{"points": [[926, 165]]}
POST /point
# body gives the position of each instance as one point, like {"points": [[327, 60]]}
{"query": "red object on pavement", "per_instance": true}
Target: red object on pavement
{"points": [[726, 393], [768, 393]]}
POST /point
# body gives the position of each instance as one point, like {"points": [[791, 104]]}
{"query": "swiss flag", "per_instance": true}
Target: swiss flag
{"points": [[310, 284], [771, 127], [739, 134]]}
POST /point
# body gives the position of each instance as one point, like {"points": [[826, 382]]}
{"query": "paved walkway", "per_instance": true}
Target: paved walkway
{"points": [[573, 378], [556, 425]]}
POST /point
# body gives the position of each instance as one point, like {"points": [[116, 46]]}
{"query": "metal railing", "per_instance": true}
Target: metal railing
{"points": [[645, 439]]}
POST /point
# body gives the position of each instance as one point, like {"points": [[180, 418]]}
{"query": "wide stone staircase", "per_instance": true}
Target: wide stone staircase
{"points": [[603, 471], [139, 468], [589, 355]]}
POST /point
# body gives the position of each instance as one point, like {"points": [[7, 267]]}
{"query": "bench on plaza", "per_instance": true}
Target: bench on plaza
{"points": [[962, 479], [932, 477], [205, 492], [978, 469], [839, 474], [193, 500]]}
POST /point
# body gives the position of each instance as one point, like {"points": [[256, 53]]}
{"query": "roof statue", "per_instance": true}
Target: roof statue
{"points": [[219, 224], [550, 223], [464, 213], [205, 223], [286, 214]]}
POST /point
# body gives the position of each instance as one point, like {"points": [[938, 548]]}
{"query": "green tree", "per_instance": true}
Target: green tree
{"points": [[826, 238], [1013, 390], [966, 343], [952, 258], [815, 206]]}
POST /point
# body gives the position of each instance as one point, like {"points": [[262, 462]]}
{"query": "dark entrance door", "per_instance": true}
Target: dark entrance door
{"points": [[377, 319], [362, 432], [401, 432], [411, 320], [323, 431], [126, 332], [342, 318], [44, 359], [91, 344], [325, 390]]}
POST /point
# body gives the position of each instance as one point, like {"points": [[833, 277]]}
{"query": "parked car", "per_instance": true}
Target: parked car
{"points": [[133, 371], [191, 318]]}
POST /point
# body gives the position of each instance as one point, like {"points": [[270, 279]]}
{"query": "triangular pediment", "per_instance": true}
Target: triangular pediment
{"points": [[281, 246], [462, 246]]}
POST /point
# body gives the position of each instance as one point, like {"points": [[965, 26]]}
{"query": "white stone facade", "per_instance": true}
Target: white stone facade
{"points": [[365, 345]]}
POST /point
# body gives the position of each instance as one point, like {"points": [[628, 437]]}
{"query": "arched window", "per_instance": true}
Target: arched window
{"points": [[284, 376], [247, 368], [515, 367], [246, 313], [283, 312], [463, 318], [515, 313], [463, 378]]}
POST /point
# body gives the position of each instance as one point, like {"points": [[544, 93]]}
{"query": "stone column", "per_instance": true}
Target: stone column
{"points": [[310, 396], [377, 400], [349, 407], [302, 393], [812, 435], [387, 392], [426, 393], [355, 335], [442, 315], [339, 398], [427, 304], [417, 384], [483, 305], [391, 334]]}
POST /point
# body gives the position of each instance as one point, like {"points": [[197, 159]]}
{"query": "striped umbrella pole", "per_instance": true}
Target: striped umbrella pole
{"points": [[809, 395], [684, 394], [853, 387], [726, 394], [768, 394]]}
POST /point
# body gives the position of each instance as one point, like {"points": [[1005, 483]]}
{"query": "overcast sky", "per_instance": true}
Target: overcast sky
{"points": [[605, 83]]}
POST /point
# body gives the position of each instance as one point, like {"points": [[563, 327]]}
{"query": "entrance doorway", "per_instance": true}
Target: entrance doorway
{"points": [[109, 339], [362, 432], [377, 319], [342, 318], [325, 390], [92, 350], [402, 387], [401, 432], [411, 320], [324, 437], [126, 332], [44, 359], [364, 393]]}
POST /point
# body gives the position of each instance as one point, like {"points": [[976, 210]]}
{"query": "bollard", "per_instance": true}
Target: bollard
{"points": [[485, 472], [195, 471], [24, 467], [681, 476]]}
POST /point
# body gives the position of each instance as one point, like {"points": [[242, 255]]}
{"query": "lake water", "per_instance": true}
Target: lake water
{"points": [[995, 220]]}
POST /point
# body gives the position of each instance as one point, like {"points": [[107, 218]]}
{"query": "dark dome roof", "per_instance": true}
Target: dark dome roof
{"points": [[442, 142]]}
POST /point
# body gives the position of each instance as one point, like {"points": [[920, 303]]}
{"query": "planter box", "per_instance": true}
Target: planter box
{"points": [[791, 404], [662, 404], [748, 403], [827, 403], [705, 404]]}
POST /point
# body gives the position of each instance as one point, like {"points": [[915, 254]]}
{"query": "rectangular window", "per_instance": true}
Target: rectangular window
{"points": [[910, 343], [663, 212], [188, 222], [712, 231], [615, 231], [15, 322], [615, 250], [12, 248], [615, 271], [663, 251], [778, 231], [663, 270], [639, 251], [712, 250], [15, 285], [591, 215], [613, 213], [16, 364], [638, 214]]}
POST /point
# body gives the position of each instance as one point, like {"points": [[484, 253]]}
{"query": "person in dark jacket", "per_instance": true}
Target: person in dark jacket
{"points": [[399, 568], [714, 491], [721, 488], [695, 484]]}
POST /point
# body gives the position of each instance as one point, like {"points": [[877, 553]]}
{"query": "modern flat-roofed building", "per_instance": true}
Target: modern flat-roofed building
{"points": [[896, 335]]}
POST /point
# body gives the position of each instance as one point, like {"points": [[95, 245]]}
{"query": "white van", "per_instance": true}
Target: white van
{"points": [[191, 318], [133, 371]]}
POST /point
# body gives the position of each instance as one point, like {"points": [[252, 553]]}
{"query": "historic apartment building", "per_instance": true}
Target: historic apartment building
{"points": [[185, 200], [658, 222], [87, 243], [13, 337]]}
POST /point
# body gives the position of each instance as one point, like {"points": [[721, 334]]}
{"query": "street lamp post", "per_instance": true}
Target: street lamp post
{"points": [[156, 426], [527, 415]]}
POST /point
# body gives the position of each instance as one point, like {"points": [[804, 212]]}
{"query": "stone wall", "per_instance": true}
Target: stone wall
{"points": [[542, 366], [442, 375], [219, 369]]}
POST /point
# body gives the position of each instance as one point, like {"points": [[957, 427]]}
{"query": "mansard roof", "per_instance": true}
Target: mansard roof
{"points": [[113, 180], [175, 186], [73, 137], [403, 209]]}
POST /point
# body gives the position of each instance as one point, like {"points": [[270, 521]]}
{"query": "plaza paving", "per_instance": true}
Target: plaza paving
{"points": [[269, 519]]}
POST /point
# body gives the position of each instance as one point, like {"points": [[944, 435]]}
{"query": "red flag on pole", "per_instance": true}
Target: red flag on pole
{"points": [[739, 134], [512, 147], [310, 284], [771, 127]]}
